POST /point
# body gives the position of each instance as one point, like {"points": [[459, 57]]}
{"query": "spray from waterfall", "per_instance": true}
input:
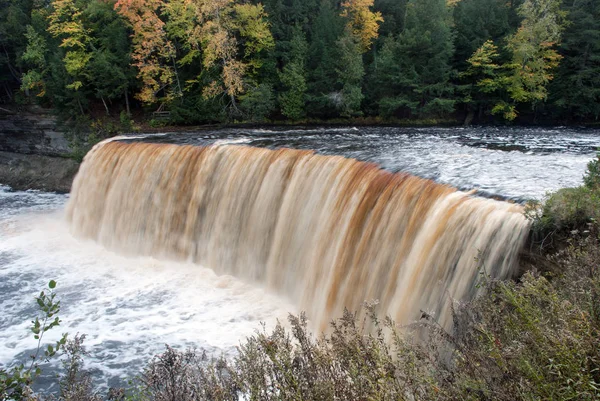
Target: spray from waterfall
{"points": [[326, 231]]}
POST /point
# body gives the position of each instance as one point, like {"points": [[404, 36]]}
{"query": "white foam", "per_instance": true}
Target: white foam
{"points": [[128, 307]]}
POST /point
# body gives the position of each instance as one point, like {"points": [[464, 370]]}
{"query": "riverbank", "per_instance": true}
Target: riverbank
{"points": [[45, 173]]}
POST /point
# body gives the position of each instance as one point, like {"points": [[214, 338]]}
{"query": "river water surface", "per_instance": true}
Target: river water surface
{"points": [[130, 307]]}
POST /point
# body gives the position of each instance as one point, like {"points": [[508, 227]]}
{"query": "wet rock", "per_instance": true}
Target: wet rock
{"points": [[29, 171], [30, 133]]}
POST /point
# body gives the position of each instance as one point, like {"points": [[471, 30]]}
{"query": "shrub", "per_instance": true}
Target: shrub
{"points": [[532, 340], [591, 179], [568, 211], [15, 382]]}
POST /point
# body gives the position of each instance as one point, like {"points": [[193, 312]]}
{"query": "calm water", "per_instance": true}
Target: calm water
{"points": [[130, 307]]}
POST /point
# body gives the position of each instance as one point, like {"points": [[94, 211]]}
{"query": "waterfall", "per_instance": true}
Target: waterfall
{"points": [[327, 232]]}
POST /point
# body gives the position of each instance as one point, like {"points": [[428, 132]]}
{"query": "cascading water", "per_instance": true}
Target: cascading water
{"points": [[326, 231]]}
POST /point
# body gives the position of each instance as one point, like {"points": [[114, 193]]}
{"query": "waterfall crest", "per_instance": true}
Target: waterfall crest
{"points": [[326, 231]]}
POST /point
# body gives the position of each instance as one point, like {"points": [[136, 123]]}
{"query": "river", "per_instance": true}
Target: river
{"points": [[129, 307]]}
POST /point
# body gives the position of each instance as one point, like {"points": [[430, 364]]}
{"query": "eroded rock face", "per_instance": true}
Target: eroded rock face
{"points": [[45, 173], [31, 134], [34, 153]]}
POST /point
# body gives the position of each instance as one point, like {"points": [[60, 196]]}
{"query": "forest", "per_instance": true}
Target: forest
{"points": [[211, 61]]}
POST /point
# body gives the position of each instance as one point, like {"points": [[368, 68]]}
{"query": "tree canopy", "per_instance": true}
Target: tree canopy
{"points": [[216, 60]]}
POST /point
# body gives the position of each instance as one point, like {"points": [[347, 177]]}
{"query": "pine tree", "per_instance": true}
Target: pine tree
{"points": [[477, 21], [15, 17], [416, 66], [111, 73], [292, 100], [323, 91], [576, 91]]}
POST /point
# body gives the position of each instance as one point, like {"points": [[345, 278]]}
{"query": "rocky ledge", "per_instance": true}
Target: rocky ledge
{"points": [[33, 153], [46, 173]]}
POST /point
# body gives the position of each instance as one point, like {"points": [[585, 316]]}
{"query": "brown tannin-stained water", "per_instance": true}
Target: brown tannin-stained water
{"points": [[196, 246], [327, 232]]}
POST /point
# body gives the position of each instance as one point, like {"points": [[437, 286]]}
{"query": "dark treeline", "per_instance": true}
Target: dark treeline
{"points": [[223, 60]]}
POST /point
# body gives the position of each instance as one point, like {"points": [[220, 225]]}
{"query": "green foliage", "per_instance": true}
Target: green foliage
{"points": [[292, 99], [591, 179], [323, 59], [535, 339], [258, 103], [533, 57], [15, 382], [568, 211], [415, 68], [350, 75], [478, 21], [576, 89]]}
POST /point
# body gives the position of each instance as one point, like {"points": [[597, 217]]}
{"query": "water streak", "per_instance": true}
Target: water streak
{"points": [[326, 231]]}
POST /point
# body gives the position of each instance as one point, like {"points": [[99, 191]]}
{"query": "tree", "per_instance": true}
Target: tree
{"points": [[35, 57], [534, 55], [415, 67], [228, 38], [322, 61], [293, 78], [153, 53], [393, 13], [111, 73], [477, 21], [524, 78], [576, 89], [483, 77], [14, 20], [361, 29], [350, 72], [361, 21]]}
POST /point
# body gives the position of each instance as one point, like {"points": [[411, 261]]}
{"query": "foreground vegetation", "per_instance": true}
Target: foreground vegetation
{"points": [[193, 62], [534, 339]]}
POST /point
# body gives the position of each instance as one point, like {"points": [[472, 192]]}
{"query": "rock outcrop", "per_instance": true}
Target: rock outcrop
{"points": [[34, 153]]}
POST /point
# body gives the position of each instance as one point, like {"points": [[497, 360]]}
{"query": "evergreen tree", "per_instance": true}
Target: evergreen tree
{"points": [[292, 100], [350, 75], [393, 13], [416, 67], [15, 16], [477, 21], [323, 91], [576, 91], [112, 74]]}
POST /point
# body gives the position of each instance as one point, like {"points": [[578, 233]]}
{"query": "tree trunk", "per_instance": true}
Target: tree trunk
{"points": [[8, 92], [469, 118], [105, 106], [127, 103], [80, 106]]}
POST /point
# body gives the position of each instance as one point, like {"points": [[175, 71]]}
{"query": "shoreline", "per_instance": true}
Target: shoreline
{"points": [[38, 172]]}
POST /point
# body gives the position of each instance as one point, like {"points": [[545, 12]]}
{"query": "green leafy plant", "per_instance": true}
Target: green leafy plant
{"points": [[15, 382], [591, 179]]}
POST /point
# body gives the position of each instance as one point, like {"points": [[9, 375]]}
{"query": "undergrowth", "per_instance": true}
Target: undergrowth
{"points": [[538, 339], [566, 212]]}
